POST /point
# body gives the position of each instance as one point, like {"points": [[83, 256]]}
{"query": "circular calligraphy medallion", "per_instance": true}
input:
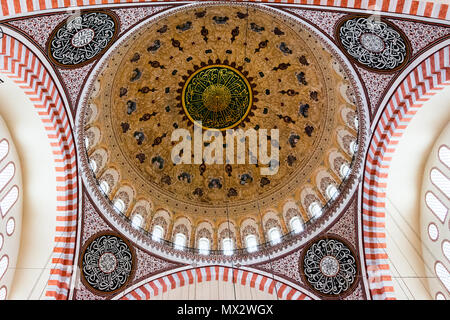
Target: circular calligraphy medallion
{"points": [[329, 267], [107, 263], [217, 97], [80, 39], [373, 43]]}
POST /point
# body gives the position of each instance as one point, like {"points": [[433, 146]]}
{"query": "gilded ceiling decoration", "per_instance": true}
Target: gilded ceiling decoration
{"points": [[227, 66], [217, 97], [81, 38], [107, 263], [373, 43], [329, 266]]}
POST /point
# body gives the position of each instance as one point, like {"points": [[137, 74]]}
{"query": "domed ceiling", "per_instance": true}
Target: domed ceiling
{"points": [[222, 67]]}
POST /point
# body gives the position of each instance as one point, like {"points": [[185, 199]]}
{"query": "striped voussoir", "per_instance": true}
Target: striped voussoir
{"points": [[24, 68], [431, 9], [428, 78], [179, 279]]}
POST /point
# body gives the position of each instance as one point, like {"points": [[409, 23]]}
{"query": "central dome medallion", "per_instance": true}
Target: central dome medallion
{"points": [[217, 97]]}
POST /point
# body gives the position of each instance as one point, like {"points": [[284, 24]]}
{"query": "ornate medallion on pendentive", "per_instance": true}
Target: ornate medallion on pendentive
{"points": [[373, 43], [329, 267], [81, 38], [107, 263]]}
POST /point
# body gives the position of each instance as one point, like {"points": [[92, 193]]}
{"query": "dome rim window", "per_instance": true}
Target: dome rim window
{"points": [[227, 246], [179, 241], [136, 221], [155, 236], [251, 247], [119, 205], [330, 194], [204, 249], [294, 229], [313, 212], [274, 239], [104, 187]]}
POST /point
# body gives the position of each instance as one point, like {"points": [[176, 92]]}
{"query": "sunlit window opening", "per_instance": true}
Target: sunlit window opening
{"points": [[157, 233], [353, 147], [8, 201], [332, 192], [444, 155], [251, 243], [315, 210], [436, 206], [296, 225], [93, 165], [441, 181], [344, 170], [119, 205], [203, 246], [274, 236], [227, 246], [136, 222], [180, 241], [443, 275], [4, 149], [104, 187], [6, 175]]}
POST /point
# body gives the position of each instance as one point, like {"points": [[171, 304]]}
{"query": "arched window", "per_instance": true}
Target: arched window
{"points": [[436, 206], [86, 143], [356, 123], [441, 182], [9, 200], [4, 149], [353, 147], [93, 165], [203, 246], [251, 243], [332, 192], [104, 186], [443, 275], [136, 222], [119, 205], [344, 170], [444, 155], [6, 175], [180, 241], [315, 210], [157, 233], [274, 236], [296, 225], [227, 246]]}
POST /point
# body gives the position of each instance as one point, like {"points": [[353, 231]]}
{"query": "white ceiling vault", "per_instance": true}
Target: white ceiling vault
{"points": [[379, 65]]}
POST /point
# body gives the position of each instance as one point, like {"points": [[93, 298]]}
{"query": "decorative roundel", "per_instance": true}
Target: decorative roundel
{"points": [[329, 267], [218, 96], [373, 43], [81, 38], [107, 263]]}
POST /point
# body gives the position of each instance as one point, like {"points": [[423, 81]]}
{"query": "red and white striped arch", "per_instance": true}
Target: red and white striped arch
{"points": [[428, 78], [431, 9], [179, 279], [21, 65]]}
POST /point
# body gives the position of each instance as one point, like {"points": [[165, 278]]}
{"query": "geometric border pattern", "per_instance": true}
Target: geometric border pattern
{"points": [[179, 279], [430, 76], [24, 68], [418, 8]]}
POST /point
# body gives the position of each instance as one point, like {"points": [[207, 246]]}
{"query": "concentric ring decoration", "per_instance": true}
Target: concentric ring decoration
{"points": [[373, 43], [329, 267], [218, 96], [107, 263], [81, 38]]}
